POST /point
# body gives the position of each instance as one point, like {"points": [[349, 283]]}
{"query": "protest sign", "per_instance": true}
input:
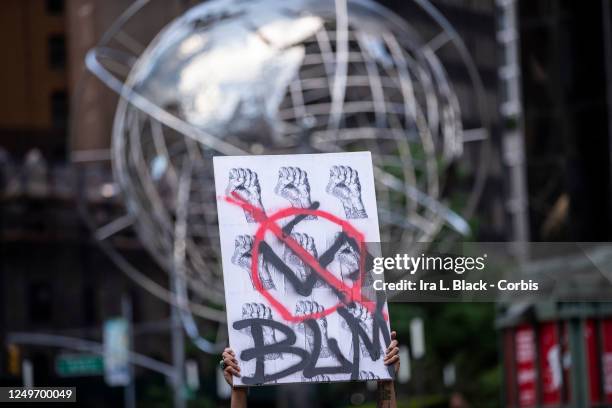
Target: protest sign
{"points": [[296, 270]]}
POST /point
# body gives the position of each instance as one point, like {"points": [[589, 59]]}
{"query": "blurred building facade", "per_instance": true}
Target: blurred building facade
{"points": [[53, 277], [556, 102], [34, 103]]}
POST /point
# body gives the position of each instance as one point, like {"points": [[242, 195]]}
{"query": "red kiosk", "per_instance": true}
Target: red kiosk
{"points": [[557, 354]]}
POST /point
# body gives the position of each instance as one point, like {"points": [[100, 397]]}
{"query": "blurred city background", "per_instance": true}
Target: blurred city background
{"points": [[71, 264]]}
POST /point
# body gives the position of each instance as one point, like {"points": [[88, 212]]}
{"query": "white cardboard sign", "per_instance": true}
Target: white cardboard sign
{"points": [[292, 229]]}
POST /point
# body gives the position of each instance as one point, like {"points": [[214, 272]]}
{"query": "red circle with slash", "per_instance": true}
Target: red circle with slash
{"points": [[268, 223]]}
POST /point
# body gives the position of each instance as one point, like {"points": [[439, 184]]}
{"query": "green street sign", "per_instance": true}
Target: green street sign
{"points": [[78, 365]]}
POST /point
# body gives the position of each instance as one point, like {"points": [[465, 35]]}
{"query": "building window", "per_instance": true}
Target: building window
{"points": [[40, 298], [59, 109], [55, 7], [57, 51]]}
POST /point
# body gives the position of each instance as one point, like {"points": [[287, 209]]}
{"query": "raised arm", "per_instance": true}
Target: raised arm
{"points": [[386, 388], [231, 369]]}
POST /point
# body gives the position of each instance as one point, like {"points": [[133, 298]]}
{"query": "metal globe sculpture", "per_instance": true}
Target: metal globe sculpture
{"points": [[294, 76]]}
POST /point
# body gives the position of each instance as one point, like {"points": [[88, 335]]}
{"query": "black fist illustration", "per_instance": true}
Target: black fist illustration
{"points": [[367, 375], [242, 257], [295, 262], [293, 186], [245, 184], [344, 185], [318, 378], [348, 258], [307, 307], [261, 311], [364, 318]]}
